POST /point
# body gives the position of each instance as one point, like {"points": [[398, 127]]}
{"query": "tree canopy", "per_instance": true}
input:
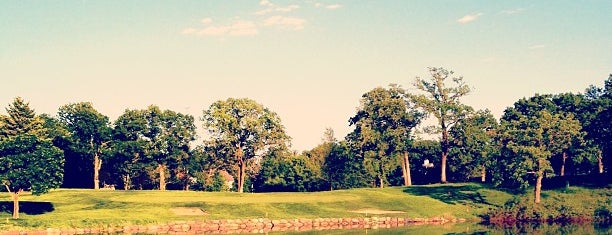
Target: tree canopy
{"points": [[247, 128]]}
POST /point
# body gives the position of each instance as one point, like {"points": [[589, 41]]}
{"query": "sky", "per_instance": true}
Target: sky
{"points": [[308, 61]]}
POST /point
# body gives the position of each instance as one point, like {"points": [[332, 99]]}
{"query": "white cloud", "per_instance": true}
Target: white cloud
{"points": [[537, 46], [469, 18], [290, 23], [214, 30], [237, 28], [270, 7], [265, 3], [333, 7], [512, 11], [242, 28], [206, 20]]}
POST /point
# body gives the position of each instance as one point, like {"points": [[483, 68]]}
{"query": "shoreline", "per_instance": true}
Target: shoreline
{"points": [[260, 225]]}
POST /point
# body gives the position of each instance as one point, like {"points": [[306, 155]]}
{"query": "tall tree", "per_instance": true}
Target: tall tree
{"points": [[383, 126], [473, 145], [442, 101], [21, 119], [528, 143], [128, 146], [168, 135], [90, 134], [247, 128], [28, 159]]}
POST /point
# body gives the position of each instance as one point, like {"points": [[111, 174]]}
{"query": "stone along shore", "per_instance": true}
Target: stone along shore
{"points": [[248, 226]]}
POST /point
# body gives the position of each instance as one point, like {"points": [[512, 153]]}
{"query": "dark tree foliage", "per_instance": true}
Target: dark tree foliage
{"points": [[344, 168], [89, 135], [282, 171]]}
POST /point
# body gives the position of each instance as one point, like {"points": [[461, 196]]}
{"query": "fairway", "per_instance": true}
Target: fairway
{"points": [[70, 208]]}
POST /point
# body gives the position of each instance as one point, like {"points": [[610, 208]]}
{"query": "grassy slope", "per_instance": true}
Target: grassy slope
{"points": [[87, 208]]}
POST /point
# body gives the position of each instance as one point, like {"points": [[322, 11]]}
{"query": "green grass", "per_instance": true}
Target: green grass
{"points": [[70, 208]]}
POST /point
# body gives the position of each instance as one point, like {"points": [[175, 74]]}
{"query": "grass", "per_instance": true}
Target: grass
{"points": [[71, 208]]}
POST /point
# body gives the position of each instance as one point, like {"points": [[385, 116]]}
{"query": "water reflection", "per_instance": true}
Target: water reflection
{"points": [[471, 229]]}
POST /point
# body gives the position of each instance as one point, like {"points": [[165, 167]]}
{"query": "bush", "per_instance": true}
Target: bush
{"points": [[562, 206]]}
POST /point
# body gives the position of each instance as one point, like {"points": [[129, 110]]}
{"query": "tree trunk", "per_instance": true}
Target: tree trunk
{"points": [[241, 166], [162, 177], [406, 170], [127, 182], [483, 174], [381, 178], [15, 196], [563, 164], [600, 163], [538, 188], [444, 145], [241, 177], [443, 166], [97, 165]]}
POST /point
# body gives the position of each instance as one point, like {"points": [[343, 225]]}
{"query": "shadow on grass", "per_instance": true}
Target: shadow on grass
{"points": [[450, 194], [30, 208]]}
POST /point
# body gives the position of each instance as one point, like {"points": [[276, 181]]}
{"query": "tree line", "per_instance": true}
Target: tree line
{"points": [[537, 137]]}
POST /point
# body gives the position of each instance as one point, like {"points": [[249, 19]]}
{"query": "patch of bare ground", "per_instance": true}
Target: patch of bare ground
{"points": [[376, 211], [187, 211]]}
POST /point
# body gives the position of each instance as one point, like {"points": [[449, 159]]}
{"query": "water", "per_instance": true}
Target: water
{"points": [[471, 229]]}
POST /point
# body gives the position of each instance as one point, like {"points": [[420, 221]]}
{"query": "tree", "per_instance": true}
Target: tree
{"points": [[21, 119], [128, 146], [283, 171], [247, 128], [443, 102], [344, 168], [602, 134], [206, 160], [473, 145], [598, 129], [170, 143], [318, 154], [383, 125], [28, 159], [90, 134], [528, 143]]}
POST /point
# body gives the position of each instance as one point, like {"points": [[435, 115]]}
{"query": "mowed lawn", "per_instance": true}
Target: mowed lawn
{"points": [[72, 208]]}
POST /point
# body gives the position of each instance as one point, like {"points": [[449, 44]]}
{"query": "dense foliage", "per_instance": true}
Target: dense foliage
{"points": [[246, 147]]}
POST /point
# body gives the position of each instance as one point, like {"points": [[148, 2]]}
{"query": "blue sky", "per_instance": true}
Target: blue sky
{"points": [[309, 61]]}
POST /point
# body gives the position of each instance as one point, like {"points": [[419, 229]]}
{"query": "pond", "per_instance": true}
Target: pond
{"points": [[471, 228]]}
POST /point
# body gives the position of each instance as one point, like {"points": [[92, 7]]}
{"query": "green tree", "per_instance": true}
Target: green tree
{"points": [[28, 159], [168, 135], [318, 154], [247, 128], [283, 171], [21, 119], [344, 168], [442, 101], [383, 126], [598, 129], [128, 146], [90, 134], [528, 144], [602, 134], [473, 145], [205, 161]]}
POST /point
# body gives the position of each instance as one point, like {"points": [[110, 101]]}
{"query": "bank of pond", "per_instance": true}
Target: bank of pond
{"points": [[442, 204]]}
